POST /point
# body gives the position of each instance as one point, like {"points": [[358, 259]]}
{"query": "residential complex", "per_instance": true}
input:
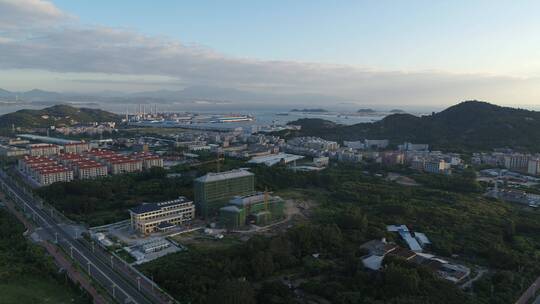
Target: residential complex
{"points": [[76, 147], [213, 190], [90, 164], [82, 166], [44, 171], [153, 217], [521, 162], [43, 149], [117, 163]]}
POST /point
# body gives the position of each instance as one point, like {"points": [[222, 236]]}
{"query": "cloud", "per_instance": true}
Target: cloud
{"points": [[40, 36], [17, 14]]}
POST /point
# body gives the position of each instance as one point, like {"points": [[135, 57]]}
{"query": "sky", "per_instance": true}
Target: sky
{"points": [[369, 52]]}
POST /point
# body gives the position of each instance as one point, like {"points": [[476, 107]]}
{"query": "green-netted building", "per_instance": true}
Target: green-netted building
{"points": [[257, 208], [214, 190]]}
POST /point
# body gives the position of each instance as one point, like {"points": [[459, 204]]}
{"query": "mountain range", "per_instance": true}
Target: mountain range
{"points": [[187, 95], [467, 126]]}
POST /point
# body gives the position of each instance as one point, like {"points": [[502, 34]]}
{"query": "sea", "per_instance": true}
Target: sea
{"points": [[264, 115]]}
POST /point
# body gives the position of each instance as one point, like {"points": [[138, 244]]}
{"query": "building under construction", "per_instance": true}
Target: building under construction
{"points": [[258, 208], [213, 190]]}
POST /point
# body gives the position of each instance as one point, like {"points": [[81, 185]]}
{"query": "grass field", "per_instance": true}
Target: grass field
{"points": [[36, 291]]}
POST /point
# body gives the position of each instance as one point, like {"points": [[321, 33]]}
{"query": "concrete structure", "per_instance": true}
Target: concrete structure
{"points": [[46, 139], [213, 190], [149, 160], [437, 166], [116, 163], [258, 208], [422, 239], [152, 217], [354, 145], [48, 175], [76, 147], [533, 167], [393, 158], [407, 146], [44, 171], [273, 159], [10, 151], [376, 143], [121, 165], [516, 161], [83, 168], [43, 149]]}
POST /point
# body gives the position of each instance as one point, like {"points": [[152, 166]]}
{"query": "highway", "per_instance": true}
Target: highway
{"points": [[118, 286]]}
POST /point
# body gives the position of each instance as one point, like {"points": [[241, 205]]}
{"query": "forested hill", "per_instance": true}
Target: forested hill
{"points": [[470, 125], [54, 116]]}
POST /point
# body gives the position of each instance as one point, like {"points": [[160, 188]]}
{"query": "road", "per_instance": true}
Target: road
{"points": [[116, 285]]}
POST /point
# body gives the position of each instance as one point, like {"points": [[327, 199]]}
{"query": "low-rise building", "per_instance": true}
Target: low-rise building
{"points": [[48, 175], [149, 160], [120, 165], [533, 167], [153, 217], [10, 151], [76, 147], [43, 149]]}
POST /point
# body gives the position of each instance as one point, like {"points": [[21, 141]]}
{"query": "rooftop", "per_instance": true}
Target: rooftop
{"points": [[213, 177], [149, 207]]}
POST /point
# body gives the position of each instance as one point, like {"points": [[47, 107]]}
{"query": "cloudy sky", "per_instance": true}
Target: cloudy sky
{"points": [[370, 52]]}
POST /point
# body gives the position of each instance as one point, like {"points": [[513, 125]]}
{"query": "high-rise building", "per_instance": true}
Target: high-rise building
{"points": [[214, 190]]}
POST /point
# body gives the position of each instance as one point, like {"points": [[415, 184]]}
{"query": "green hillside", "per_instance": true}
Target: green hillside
{"points": [[470, 125], [55, 116]]}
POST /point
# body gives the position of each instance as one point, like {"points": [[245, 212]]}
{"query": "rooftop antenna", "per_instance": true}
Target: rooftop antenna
{"points": [[127, 114]]}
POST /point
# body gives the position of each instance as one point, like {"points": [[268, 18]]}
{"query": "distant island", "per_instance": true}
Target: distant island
{"points": [[318, 110], [397, 111], [366, 111]]}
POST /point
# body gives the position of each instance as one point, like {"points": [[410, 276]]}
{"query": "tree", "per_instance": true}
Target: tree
{"points": [[233, 292]]}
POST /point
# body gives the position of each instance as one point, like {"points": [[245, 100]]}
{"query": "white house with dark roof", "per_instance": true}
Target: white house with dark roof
{"points": [[153, 217]]}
